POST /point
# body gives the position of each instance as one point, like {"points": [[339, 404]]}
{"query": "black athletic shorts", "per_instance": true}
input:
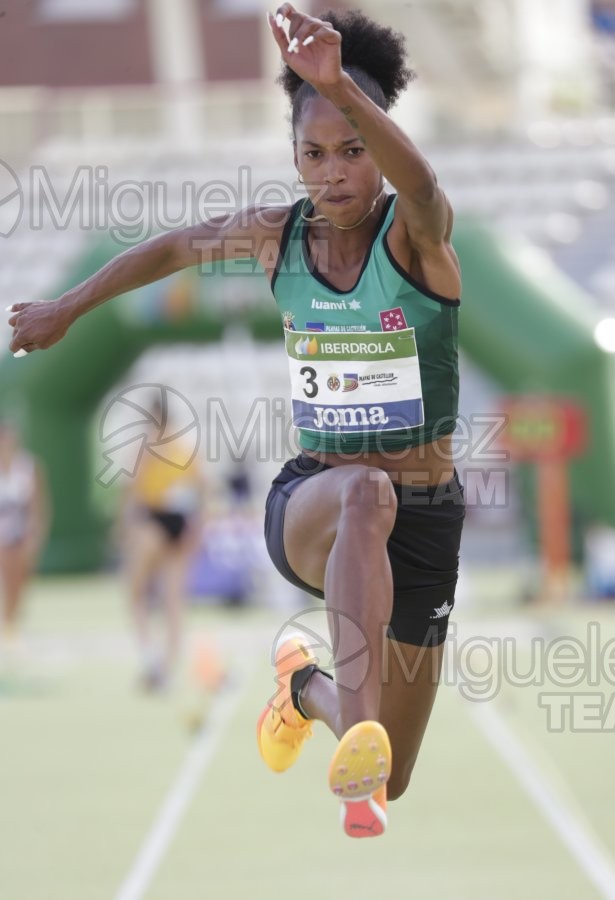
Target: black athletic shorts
{"points": [[173, 524], [423, 550]]}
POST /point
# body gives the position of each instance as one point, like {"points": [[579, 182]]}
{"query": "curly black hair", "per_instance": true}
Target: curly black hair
{"points": [[373, 55]]}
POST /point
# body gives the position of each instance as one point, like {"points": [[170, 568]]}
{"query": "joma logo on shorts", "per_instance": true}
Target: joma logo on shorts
{"points": [[349, 416]]}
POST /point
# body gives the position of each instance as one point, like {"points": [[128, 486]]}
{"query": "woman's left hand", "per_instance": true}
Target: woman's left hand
{"points": [[314, 51]]}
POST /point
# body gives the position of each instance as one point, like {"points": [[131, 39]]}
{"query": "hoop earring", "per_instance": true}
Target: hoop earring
{"points": [[300, 179]]}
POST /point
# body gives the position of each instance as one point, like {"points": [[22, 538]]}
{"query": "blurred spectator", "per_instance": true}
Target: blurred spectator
{"points": [[603, 16], [240, 486], [230, 558], [603, 20], [600, 561], [24, 525]]}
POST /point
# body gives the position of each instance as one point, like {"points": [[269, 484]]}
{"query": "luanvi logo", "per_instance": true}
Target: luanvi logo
{"points": [[340, 306]]}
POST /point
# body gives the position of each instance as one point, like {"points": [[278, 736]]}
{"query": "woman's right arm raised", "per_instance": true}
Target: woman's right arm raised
{"points": [[40, 324]]}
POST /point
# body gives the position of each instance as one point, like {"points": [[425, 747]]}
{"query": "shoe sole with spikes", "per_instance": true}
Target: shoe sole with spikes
{"points": [[358, 773]]}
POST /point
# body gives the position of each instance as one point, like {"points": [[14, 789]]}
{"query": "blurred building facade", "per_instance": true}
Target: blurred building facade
{"points": [[114, 67]]}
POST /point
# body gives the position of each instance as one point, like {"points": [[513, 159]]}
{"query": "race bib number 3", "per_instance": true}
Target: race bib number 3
{"points": [[348, 381]]}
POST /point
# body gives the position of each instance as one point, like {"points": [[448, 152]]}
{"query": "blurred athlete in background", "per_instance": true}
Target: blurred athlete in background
{"points": [[161, 522], [24, 525]]}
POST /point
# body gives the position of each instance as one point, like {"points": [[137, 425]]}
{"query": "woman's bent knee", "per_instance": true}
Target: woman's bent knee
{"points": [[368, 491]]}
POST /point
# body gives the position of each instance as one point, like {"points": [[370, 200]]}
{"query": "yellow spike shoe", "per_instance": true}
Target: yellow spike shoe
{"points": [[358, 773], [281, 730]]}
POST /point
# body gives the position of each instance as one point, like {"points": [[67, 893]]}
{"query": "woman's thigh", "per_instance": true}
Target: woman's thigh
{"points": [[314, 510], [13, 565], [146, 546]]}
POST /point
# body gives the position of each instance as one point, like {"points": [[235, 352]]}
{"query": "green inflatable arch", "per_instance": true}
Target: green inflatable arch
{"points": [[523, 322]]}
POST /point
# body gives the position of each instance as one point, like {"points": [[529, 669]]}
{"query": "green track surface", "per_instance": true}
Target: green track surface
{"points": [[86, 762]]}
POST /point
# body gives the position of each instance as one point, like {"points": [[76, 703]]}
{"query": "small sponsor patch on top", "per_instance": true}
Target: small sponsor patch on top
{"points": [[393, 319], [325, 326], [288, 321]]}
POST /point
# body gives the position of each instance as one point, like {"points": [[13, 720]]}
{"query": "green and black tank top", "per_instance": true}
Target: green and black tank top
{"points": [[372, 368]]}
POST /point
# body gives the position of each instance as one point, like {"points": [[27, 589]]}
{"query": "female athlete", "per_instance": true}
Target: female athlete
{"points": [[25, 513], [369, 515]]}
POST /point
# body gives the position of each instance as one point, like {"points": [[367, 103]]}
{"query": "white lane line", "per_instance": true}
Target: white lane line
{"points": [[199, 756], [577, 835]]}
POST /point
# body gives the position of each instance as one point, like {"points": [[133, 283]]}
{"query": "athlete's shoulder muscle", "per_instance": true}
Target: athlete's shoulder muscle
{"points": [[428, 256]]}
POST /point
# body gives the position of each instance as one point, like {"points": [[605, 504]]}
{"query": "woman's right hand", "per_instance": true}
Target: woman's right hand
{"points": [[38, 325], [317, 54]]}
